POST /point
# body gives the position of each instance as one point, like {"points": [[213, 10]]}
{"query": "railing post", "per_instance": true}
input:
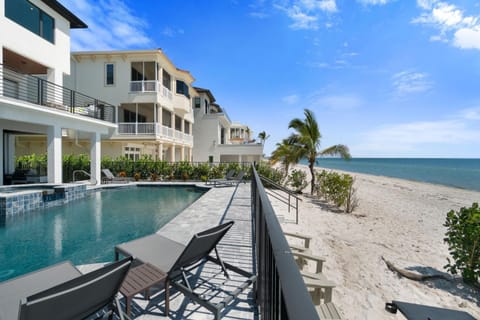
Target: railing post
{"points": [[297, 211], [40, 91]]}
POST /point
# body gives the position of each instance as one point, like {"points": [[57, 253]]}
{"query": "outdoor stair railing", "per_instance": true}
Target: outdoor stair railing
{"points": [[284, 197], [280, 290], [94, 182]]}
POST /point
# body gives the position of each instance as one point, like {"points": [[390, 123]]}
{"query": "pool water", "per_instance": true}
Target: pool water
{"points": [[86, 231]]}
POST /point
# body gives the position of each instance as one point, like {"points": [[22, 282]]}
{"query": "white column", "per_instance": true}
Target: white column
{"points": [[1, 78], [54, 154], [1, 149], [182, 153], [240, 158], [172, 153], [173, 123], [160, 151], [55, 94], [95, 161]]}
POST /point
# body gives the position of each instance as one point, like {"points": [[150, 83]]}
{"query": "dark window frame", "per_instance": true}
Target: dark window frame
{"points": [[107, 76]]}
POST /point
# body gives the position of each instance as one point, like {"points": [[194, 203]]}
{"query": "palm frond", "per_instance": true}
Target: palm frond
{"points": [[337, 150]]}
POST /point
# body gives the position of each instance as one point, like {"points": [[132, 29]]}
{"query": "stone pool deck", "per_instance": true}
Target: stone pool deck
{"points": [[216, 206]]}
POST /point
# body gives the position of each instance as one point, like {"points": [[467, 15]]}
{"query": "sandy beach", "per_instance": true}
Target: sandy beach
{"points": [[398, 219]]}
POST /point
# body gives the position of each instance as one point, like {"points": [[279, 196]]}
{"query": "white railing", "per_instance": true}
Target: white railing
{"points": [[144, 86], [167, 93], [150, 128]]}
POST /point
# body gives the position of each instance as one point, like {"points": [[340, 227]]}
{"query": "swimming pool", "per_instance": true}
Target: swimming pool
{"points": [[86, 231]]}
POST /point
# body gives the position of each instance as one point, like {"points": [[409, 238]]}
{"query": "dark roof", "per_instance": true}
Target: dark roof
{"points": [[75, 22], [207, 92]]}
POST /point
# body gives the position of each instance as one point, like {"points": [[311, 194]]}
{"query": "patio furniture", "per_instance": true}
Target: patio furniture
{"points": [[232, 181], [61, 292], [413, 311], [140, 279], [228, 176], [176, 260], [109, 177]]}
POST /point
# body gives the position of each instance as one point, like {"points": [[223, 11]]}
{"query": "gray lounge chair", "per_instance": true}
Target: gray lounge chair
{"points": [[61, 292], [232, 181], [176, 260], [109, 177], [228, 176]]}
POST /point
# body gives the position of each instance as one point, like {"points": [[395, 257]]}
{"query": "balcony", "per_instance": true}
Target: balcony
{"points": [[144, 86], [181, 104], [41, 92], [154, 130]]}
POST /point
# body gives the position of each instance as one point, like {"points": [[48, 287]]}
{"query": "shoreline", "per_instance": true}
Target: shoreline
{"points": [[396, 219]]}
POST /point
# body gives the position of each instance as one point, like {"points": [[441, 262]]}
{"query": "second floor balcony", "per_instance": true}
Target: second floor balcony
{"points": [[154, 130], [38, 91]]}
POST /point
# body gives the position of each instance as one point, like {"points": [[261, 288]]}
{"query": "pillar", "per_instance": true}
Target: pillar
{"points": [[160, 151], [55, 94], [54, 154], [10, 152], [182, 153], [172, 153], [95, 161], [1, 77]]}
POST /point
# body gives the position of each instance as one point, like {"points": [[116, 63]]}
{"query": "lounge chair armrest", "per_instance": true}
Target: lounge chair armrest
{"points": [[308, 256]]}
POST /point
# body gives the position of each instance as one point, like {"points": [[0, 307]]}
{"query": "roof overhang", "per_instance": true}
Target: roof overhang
{"points": [[75, 22]]}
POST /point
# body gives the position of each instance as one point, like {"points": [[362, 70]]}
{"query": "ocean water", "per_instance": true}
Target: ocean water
{"points": [[459, 173]]}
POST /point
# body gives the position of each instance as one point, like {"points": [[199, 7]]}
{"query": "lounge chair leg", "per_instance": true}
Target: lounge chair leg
{"points": [[167, 297], [222, 265]]}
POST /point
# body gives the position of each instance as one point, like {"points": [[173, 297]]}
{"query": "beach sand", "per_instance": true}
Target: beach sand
{"points": [[398, 219]]}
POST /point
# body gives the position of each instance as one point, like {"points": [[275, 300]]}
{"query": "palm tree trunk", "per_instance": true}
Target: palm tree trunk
{"points": [[312, 182]]}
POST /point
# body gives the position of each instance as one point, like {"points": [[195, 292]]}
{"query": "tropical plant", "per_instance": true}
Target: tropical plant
{"points": [[463, 239], [306, 142], [263, 136], [286, 153], [337, 188], [297, 180]]}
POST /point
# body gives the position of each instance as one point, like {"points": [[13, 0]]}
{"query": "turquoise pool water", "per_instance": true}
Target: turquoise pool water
{"points": [[86, 231]]}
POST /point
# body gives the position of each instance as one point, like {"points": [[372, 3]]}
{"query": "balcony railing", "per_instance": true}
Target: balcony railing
{"points": [[42, 92], [281, 292], [144, 86], [153, 129]]}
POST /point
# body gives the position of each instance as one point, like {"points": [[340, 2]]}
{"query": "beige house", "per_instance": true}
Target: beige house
{"points": [[154, 114]]}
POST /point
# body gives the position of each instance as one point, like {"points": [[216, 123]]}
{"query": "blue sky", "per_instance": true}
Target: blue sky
{"points": [[385, 77]]}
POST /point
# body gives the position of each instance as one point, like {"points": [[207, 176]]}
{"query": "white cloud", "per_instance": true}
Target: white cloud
{"points": [[306, 14], [453, 25], [407, 82], [470, 113], [172, 32], [118, 28], [413, 137], [291, 99]]}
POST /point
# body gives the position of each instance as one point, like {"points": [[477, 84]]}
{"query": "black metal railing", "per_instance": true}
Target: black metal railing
{"points": [[281, 292], [273, 189], [39, 91]]}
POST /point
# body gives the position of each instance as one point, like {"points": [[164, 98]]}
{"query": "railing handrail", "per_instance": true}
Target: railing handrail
{"points": [[94, 182], [286, 199], [281, 291]]}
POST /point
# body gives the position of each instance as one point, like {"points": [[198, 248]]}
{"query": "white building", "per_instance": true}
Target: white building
{"points": [[216, 138], [35, 40], [154, 115]]}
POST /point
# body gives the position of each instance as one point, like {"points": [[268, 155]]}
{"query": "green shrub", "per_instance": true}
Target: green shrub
{"points": [[267, 171], [463, 238], [337, 188], [297, 180]]}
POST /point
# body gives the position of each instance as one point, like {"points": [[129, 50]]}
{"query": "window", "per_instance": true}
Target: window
{"points": [[166, 80], [109, 74], [182, 88], [210, 159], [31, 17], [130, 116], [187, 127], [178, 123], [197, 102], [132, 153], [206, 106], [166, 118]]}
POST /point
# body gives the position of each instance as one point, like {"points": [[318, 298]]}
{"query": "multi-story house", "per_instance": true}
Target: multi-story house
{"points": [[34, 58], [154, 115], [216, 137]]}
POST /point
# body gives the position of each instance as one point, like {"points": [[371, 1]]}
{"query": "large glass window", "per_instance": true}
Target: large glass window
{"points": [[109, 74], [31, 17], [197, 102], [178, 123], [166, 118], [187, 127], [182, 88]]}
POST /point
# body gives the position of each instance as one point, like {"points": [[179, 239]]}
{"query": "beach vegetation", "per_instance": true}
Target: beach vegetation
{"points": [[264, 170], [297, 180], [337, 188], [306, 143], [463, 239], [285, 153]]}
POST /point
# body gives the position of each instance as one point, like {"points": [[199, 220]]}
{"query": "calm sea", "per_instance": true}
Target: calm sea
{"points": [[460, 173]]}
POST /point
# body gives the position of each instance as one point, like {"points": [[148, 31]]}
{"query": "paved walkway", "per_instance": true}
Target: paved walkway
{"points": [[216, 206]]}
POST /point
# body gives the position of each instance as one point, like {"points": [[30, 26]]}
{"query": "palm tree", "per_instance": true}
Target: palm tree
{"points": [[263, 136], [306, 141], [284, 153]]}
